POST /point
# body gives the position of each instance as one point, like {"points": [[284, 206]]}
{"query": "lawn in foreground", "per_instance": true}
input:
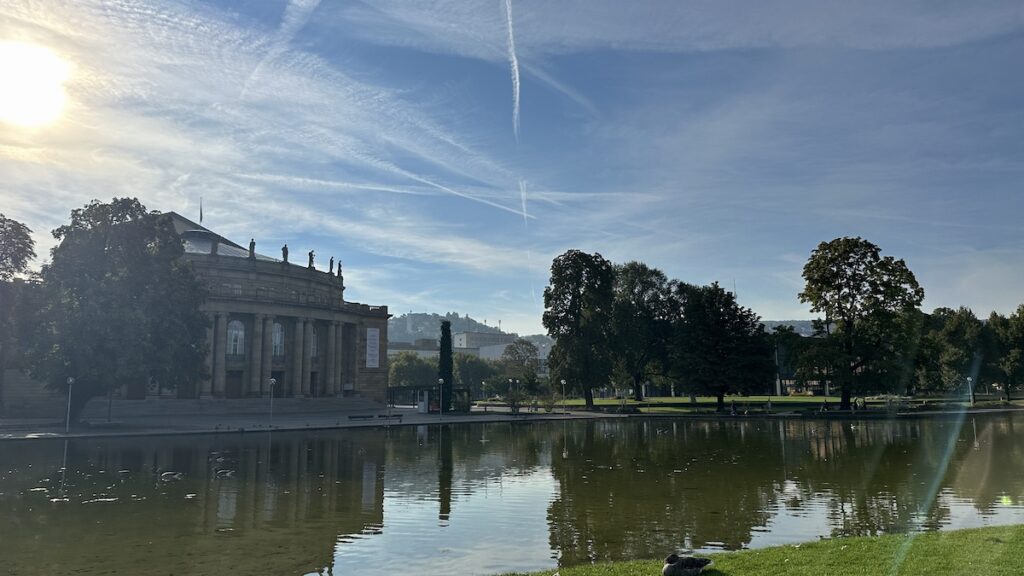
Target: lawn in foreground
{"points": [[981, 551]]}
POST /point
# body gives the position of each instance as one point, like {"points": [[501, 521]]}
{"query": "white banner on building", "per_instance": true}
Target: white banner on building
{"points": [[373, 347]]}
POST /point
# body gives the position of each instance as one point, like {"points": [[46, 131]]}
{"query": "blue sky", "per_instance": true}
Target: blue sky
{"points": [[716, 140]]}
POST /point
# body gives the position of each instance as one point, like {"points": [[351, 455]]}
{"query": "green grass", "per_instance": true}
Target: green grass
{"points": [[995, 551]]}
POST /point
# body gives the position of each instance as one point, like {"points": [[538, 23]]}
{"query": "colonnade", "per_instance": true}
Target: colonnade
{"points": [[259, 365]]}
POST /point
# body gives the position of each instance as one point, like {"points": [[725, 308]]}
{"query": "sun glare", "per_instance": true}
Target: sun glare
{"points": [[31, 84]]}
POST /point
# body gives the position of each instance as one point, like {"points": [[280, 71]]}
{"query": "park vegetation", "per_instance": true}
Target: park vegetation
{"points": [[623, 326], [117, 307]]}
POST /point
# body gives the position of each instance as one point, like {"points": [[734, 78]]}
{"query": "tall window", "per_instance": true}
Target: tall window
{"points": [[314, 345], [236, 338], [278, 340]]}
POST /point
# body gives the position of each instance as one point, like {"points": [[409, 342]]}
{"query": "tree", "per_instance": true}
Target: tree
{"points": [[122, 306], [445, 371], [865, 297], [472, 371], [17, 249], [641, 322], [1006, 350], [950, 350], [719, 346], [409, 369], [520, 362], [577, 313]]}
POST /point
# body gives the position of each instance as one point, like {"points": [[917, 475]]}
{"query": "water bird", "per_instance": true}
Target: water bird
{"points": [[171, 476], [676, 565]]}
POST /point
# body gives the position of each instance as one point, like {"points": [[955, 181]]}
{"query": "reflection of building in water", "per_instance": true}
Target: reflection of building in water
{"points": [[241, 506]]}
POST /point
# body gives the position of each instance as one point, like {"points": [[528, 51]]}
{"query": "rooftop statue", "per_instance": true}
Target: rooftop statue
{"points": [[252, 248], [330, 269], [311, 254], [284, 253]]}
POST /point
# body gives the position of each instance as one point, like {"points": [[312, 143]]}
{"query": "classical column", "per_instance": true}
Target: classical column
{"points": [[220, 349], [297, 355], [339, 360], [206, 384], [268, 354], [329, 363], [256, 355], [307, 357]]}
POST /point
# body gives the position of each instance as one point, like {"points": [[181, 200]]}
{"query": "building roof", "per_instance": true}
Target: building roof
{"points": [[199, 239]]}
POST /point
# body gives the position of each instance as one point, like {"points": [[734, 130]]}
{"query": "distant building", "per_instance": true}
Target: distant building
{"points": [[481, 339]]}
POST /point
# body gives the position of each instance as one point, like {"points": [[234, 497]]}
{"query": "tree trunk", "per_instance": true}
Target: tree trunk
{"points": [[638, 389], [844, 403], [588, 397], [721, 402], [1006, 387]]}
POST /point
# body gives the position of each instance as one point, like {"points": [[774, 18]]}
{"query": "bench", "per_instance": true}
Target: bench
{"points": [[360, 416], [391, 417]]}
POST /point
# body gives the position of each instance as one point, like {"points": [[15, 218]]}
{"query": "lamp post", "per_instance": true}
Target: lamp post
{"points": [[563, 396], [273, 382], [67, 420], [970, 388], [440, 403]]}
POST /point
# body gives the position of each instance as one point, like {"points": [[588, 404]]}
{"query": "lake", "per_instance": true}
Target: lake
{"points": [[489, 498]]}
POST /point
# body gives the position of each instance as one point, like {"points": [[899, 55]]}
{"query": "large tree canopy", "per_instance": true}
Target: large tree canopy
{"points": [[17, 249], [122, 305], [641, 322], [577, 314], [1005, 344], [870, 301], [720, 347]]}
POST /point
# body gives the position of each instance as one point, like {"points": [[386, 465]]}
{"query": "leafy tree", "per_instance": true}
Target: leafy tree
{"points": [[868, 299], [445, 371], [641, 322], [577, 313], [17, 249], [472, 371], [950, 350], [519, 361], [720, 347], [122, 306], [409, 369], [1006, 350]]}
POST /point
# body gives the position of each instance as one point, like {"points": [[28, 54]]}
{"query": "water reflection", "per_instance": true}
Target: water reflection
{"points": [[492, 498]]}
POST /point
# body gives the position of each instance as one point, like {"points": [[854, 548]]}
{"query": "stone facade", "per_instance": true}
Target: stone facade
{"points": [[273, 321]]}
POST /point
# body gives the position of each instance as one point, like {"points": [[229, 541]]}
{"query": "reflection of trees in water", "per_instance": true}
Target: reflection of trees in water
{"points": [[640, 488], [626, 488], [630, 491], [239, 506], [991, 468]]}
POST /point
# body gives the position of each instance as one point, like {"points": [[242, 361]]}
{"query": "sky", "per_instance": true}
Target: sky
{"points": [[447, 151]]}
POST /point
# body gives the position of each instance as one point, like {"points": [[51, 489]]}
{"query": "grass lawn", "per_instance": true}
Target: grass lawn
{"points": [[983, 551]]}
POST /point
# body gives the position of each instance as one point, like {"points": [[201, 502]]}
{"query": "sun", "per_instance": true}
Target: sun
{"points": [[31, 84]]}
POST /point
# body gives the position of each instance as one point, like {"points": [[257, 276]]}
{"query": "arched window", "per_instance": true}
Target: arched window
{"points": [[236, 338], [314, 346], [278, 340]]}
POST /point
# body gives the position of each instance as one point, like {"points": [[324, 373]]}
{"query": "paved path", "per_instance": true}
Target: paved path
{"points": [[20, 429]]}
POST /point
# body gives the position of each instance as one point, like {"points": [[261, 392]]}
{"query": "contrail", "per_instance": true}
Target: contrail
{"points": [[514, 63], [522, 199]]}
